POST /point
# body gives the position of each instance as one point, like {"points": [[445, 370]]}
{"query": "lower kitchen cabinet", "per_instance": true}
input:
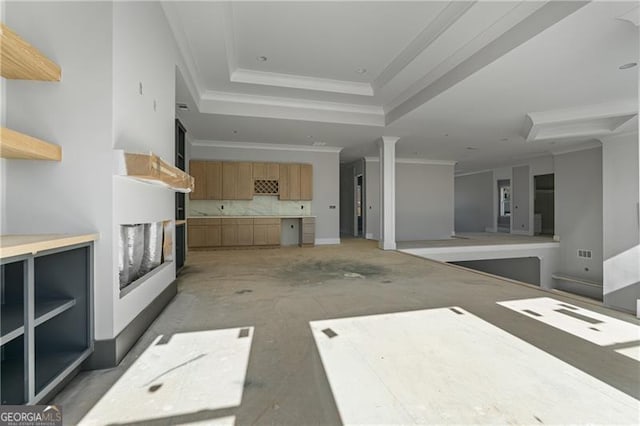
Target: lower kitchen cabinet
{"points": [[204, 232], [308, 231], [266, 232]]}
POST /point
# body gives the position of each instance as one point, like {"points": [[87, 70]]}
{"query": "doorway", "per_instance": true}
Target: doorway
{"points": [[358, 203], [504, 205], [544, 205]]}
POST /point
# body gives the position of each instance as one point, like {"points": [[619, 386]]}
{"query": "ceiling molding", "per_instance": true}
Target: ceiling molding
{"points": [[534, 23], [632, 16], [191, 72], [415, 161], [230, 38], [583, 147], [581, 122], [225, 103], [241, 75], [447, 17], [265, 146]]}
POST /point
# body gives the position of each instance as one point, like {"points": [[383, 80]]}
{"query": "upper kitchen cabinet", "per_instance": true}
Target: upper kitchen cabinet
{"points": [[198, 169], [306, 182], [266, 171], [296, 182], [237, 181], [213, 172]]}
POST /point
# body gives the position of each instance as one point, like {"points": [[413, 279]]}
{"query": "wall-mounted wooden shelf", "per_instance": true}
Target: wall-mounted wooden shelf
{"points": [[21, 61], [153, 169], [23, 147]]}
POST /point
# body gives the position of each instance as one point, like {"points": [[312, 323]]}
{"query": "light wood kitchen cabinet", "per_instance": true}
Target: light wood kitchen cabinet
{"points": [[306, 182], [296, 182], [213, 172], [283, 182], [203, 232], [266, 171], [237, 232], [244, 182], [266, 232], [308, 231], [198, 169], [237, 181]]}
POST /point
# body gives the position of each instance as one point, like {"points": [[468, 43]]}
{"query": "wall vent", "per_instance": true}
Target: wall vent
{"points": [[585, 254]]}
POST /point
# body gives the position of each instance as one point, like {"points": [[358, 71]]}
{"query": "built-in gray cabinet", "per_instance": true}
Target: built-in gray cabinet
{"points": [[46, 327]]}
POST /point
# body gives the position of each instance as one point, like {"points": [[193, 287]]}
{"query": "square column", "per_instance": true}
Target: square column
{"points": [[387, 147]]}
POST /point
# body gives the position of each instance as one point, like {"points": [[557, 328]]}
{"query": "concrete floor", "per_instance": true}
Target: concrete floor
{"points": [[278, 292]]}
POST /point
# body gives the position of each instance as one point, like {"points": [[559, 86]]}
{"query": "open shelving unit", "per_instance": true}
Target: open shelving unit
{"points": [[153, 169], [19, 146], [19, 60], [46, 311]]}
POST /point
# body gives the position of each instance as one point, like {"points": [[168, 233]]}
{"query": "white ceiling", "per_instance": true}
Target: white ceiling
{"points": [[444, 76]]}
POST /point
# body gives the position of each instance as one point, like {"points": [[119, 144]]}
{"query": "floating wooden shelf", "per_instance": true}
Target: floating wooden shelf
{"points": [[20, 146], [153, 169], [21, 61]]}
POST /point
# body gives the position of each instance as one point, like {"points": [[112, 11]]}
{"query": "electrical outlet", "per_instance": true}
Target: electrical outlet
{"points": [[585, 254]]}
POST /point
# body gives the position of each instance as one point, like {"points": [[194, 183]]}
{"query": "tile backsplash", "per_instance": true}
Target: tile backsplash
{"points": [[260, 206]]}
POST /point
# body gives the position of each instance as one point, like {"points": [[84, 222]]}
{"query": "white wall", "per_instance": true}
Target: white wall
{"points": [[144, 52], [424, 201], [578, 211], [474, 202], [326, 178], [73, 196], [621, 221]]}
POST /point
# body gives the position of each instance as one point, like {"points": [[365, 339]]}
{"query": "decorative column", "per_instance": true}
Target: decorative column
{"points": [[387, 193]]}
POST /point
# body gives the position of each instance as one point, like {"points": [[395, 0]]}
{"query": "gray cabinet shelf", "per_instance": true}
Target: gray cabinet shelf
{"points": [[47, 321]]}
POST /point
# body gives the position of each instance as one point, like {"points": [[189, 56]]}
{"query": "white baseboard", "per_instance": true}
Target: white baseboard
{"points": [[369, 236], [490, 229], [518, 232], [327, 241]]}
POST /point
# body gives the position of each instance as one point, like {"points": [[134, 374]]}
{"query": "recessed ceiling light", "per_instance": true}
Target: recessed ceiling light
{"points": [[235, 132], [627, 66], [361, 70], [262, 59], [504, 139], [470, 148], [182, 107], [310, 137], [446, 134]]}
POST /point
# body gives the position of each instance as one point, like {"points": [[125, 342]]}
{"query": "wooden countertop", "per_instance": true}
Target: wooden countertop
{"points": [[250, 217], [16, 245]]}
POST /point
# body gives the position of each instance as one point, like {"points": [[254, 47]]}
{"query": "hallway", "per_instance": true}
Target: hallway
{"points": [[270, 337]]}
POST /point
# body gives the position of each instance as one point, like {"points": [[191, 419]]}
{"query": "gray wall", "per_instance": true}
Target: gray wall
{"points": [[520, 193], [525, 269], [474, 202], [578, 212], [621, 224], [424, 202], [74, 195], [372, 204], [326, 180]]}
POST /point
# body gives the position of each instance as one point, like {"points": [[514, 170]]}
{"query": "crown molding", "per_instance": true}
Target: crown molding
{"points": [[632, 16], [583, 147], [242, 75], [415, 161], [527, 20], [582, 122], [445, 19], [265, 146], [212, 102]]}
